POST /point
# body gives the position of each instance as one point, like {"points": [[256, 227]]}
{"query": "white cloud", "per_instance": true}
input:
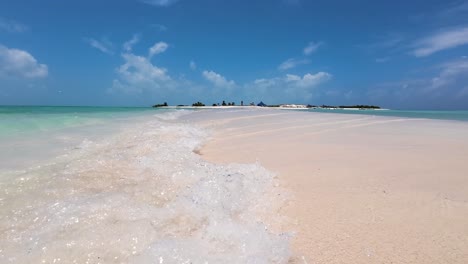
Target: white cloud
{"points": [[308, 80], [158, 48], [12, 26], [291, 63], [286, 89], [138, 74], [159, 2], [443, 40], [128, 45], [103, 45], [449, 74], [193, 65], [265, 83], [446, 89], [20, 63], [217, 79], [312, 47]]}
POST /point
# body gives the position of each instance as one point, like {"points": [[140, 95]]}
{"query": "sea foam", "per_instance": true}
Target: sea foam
{"points": [[141, 196]]}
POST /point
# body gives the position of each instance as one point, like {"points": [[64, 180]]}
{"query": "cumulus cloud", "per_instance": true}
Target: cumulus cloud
{"points": [[442, 40], [445, 89], [140, 77], [265, 83], [308, 80], [217, 79], [450, 73], [12, 26], [288, 88], [159, 2], [138, 74], [158, 48], [20, 63], [291, 63], [128, 45], [312, 47], [104, 45]]}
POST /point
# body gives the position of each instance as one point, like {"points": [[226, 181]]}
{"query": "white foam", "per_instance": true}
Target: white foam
{"points": [[142, 196], [173, 115]]}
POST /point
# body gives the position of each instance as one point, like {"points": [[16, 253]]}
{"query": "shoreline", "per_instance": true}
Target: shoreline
{"points": [[264, 107], [136, 196], [335, 188], [364, 189]]}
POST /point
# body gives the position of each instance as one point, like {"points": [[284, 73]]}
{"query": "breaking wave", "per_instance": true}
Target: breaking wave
{"points": [[140, 196]]}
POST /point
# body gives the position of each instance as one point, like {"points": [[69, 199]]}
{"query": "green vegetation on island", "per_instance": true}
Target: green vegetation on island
{"points": [[346, 106], [160, 105], [261, 104], [360, 106], [198, 104]]}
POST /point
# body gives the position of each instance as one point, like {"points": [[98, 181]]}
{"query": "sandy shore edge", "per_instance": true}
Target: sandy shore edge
{"points": [[365, 189]]}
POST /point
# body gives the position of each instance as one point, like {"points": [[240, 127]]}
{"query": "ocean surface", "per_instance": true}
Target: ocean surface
{"points": [[31, 134], [24, 120], [124, 185], [428, 114]]}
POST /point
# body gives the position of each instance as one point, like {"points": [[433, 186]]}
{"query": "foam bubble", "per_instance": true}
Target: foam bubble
{"points": [[141, 196]]}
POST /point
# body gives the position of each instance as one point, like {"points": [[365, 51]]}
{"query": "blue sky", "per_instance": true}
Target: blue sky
{"points": [[397, 54]]}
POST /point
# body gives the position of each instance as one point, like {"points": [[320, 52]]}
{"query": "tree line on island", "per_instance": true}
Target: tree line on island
{"points": [[261, 104], [346, 106], [222, 104], [202, 104]]}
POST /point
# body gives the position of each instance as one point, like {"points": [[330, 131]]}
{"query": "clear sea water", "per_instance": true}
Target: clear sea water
{"points": [[124, 185], [32, 134], [24, 120], [429, 114]]}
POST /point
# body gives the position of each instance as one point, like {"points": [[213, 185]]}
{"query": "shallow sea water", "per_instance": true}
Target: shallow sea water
{"points": [[139, 196]]}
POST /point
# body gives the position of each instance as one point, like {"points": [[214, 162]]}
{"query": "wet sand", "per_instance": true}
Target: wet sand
{"points": [[362, 189]]}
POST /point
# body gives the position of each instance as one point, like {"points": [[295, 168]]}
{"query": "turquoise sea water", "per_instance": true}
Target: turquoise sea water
{"points": [[443, 115], [25, 120], [87, 183], [32, 134], [107, 185]]}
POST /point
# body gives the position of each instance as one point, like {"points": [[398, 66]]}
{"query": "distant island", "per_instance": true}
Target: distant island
{"points": [[160, 105], [346, 106], [198, 104], [261, 104]]}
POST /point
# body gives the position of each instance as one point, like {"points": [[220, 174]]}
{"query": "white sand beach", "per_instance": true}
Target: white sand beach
{"points": [[362, 189], [199, 187]]}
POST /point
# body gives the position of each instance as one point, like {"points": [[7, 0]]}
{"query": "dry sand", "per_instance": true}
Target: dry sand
{"points": [[364, 189]]}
